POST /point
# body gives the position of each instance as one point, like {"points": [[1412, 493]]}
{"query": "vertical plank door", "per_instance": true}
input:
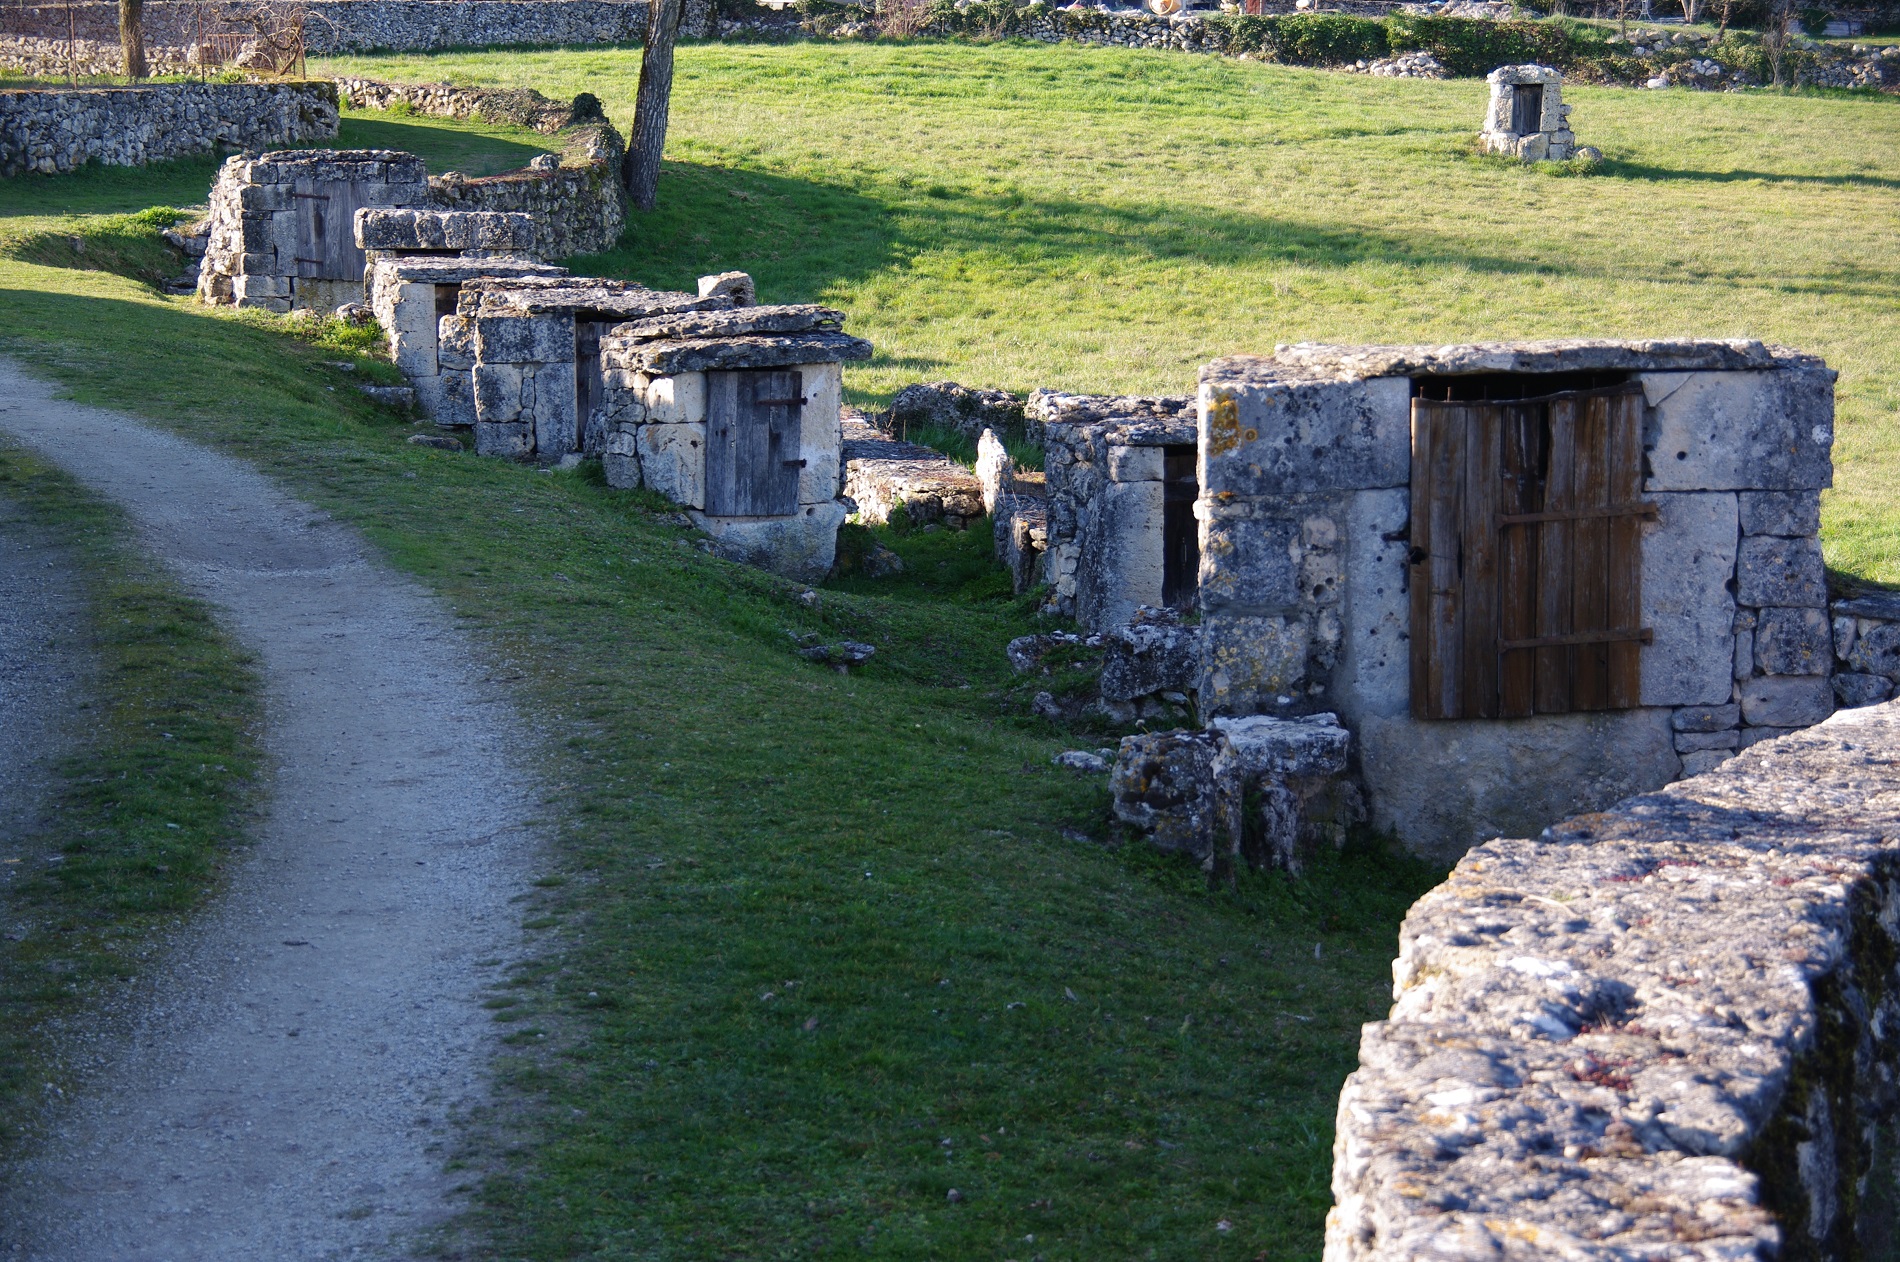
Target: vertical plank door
{"points": [[326, 229], [1438, 489], [1625, 606], [1520, 492], [753, 441]]}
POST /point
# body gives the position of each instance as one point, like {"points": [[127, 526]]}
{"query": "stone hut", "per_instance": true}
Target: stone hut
{"points": [[735, 413], [418, 262], [1529, 578], [1119, 503], [1526, 117]]}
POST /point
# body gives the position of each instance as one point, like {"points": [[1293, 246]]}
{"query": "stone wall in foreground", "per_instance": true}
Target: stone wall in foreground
{"points": [[62, 129], [1667, 1030]]}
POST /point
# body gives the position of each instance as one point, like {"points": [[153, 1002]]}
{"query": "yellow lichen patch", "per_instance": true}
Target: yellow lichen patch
{"points": [[1223, 425]]}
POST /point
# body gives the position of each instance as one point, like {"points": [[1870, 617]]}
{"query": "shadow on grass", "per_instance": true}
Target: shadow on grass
{"points": [[1641, 171]]}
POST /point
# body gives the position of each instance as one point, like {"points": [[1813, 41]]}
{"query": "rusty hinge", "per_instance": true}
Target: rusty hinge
{"points": [[798, 463], [313, 197]]}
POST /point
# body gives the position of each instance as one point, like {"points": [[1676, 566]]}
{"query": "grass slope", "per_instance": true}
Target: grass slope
{"points": [[145, 811], [1106, 220]]}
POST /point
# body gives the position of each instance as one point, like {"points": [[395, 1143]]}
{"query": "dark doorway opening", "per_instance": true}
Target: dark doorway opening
{"points": [[1527, 108], [1181, 542]]}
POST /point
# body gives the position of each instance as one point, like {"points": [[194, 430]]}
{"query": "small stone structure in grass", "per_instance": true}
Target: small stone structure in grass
{"points": [[1526, 116], [883, 474], [1110, 527]]}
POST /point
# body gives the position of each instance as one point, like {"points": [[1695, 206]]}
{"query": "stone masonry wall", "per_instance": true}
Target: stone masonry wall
{"points": [[1667, 1030], [62, 129], [579, 207], [1305, 555]]}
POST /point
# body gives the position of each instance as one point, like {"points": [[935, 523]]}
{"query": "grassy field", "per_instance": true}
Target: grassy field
{"points": [[820, 949], [1099, 220]]}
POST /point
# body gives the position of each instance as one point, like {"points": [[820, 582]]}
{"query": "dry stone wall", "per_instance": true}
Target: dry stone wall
{"points": [[52, 130], [1670, 1029]]}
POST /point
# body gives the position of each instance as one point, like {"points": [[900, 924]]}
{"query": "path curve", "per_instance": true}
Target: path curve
{"points": [[279, 1100], [44, 669]]}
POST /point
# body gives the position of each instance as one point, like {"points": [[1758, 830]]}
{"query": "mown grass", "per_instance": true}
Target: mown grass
{"points": [[146, 810], [895, 842], [1105, 220]]}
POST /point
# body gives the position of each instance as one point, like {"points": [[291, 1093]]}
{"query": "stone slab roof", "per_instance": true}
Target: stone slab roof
{"points": [[741, 321], [600, 299], [458, 269], [750, 351], [1322, 361]]}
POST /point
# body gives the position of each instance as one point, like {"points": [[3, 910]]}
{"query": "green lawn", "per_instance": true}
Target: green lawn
{"points": [[885, 855], [1100, 220]]}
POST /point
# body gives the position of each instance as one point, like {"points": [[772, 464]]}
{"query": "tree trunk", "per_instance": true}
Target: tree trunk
{"points": [[132, 37], [649, 112]]}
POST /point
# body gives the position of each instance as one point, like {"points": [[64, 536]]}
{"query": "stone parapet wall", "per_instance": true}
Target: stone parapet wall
{"points": [[61, 129], [1667, 1029], [526, 107], [579, 206]]}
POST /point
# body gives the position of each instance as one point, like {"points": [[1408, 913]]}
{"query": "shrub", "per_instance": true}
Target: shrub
{"points": [[1304, 39], [1470, 46]]}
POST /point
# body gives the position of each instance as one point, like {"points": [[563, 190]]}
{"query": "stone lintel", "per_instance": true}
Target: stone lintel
{"points": [[709, 354], [1307, 360], [738, 322], [456, 270]]}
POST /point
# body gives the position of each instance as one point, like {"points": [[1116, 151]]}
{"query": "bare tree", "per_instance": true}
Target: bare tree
{"points": [[132, 37], [651, 104], [1689, 9], [1783, 21]]}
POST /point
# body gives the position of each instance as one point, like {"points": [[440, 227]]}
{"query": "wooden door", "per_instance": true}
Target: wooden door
{"points": [[1527, 108], [590, 388], [1526, 562], [326, 230], [753, 442]]}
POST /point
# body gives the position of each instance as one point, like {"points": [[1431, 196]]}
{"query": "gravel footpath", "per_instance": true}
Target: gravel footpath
{"points": [[44, 665], [288, 1092]]}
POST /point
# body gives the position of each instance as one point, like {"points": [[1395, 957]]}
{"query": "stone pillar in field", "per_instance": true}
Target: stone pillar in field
{"points": [[1526, 116]]}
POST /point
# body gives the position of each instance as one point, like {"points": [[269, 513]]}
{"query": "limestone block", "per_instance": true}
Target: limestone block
{"points": [[1688, 560], [677, 400], [1147, 657], [1876, 650], [1312, 745], [1744, 653], [1122, 555], [534, 339], [821, 432], [673, 462], [1852, 690], [1773, 571], [1251, 563], [1707, 718], [1250, 664], [1444, 786], [1788, 513], [1720, 431], [511, 440], [1374, 670], [498, 391], [455, 342], [1846, 630], [1277, 438], [800, 547], [1756, 735], [455, 398], [1794, 642], [1693, 742], [1787, 700], [556, 425], [1164, 783], [1695, 764], [1136, 464]]}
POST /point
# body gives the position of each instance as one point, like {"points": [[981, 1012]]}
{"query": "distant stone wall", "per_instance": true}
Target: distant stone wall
{"points": [[1667, 1030], [578, 207], [48, 130]]}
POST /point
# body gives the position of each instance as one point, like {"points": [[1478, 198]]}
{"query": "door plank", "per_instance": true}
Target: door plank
{"points": [[1520, 490], [1554, 557], [1590, 555], [1478, 543], [1418, 570], [1624, 676]]}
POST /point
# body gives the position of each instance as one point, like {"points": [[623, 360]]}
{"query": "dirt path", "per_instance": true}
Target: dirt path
{"points": [[288, 1093], [43, 669]]}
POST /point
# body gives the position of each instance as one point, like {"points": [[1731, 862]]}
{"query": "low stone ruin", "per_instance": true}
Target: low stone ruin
{"points": [[884, 474], [1114, 528], [1669, 1029], [1526, 117], [283, 231]]}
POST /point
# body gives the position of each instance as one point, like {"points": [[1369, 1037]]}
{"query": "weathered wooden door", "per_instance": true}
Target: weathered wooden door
{"points": [[1180, 534], [326, 230], [753, 433], [1526, 562], [1527, 108]]}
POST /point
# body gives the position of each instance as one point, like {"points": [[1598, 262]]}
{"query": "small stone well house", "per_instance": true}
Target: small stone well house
{"points": [[1529, 578]]}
